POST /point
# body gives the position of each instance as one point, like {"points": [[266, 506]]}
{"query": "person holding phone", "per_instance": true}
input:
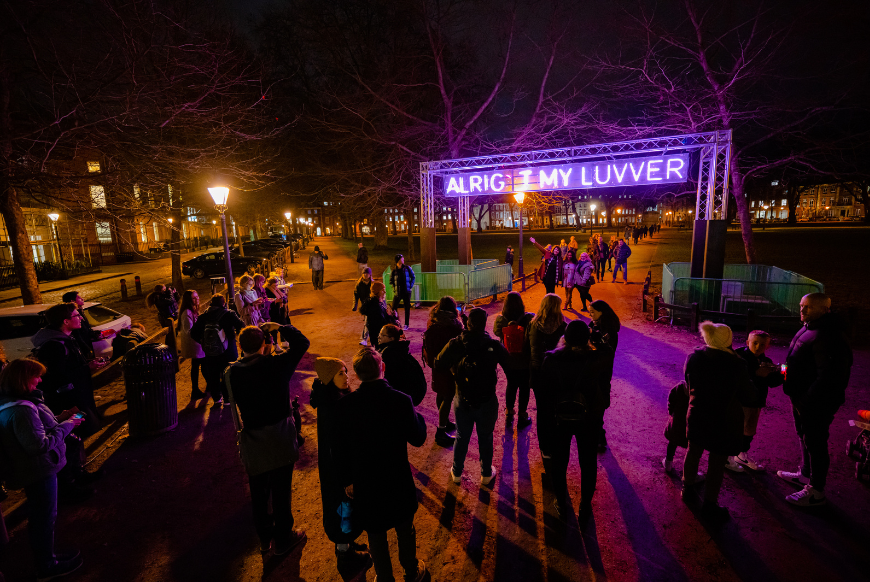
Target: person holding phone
{"points": [[248, 302], [34, 452]]}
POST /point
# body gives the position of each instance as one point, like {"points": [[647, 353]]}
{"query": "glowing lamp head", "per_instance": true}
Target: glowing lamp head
{"points": [[170, 221], [214, 221], [592, 206], [287, 215], [519, 197], [220, 195], [54, 216]]}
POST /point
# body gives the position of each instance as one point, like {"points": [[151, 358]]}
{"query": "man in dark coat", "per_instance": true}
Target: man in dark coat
{"points": [[214, 365], [362, 258], [260, 388], [401, 370], [509, 257], [818, 366], [374, 426], [315, 263], [84, 335], [621, 254], [402, 279]]}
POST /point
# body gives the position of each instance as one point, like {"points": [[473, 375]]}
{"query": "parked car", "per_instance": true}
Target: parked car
{"points": [[255, 250], [19, 324], [209, 264]]}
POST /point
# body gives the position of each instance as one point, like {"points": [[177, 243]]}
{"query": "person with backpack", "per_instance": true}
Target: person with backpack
{"points": [[444, 324], [315, 263], [474, 357], [215, 330], [374, 426], [67, 382], [510, 326], [401, 370], [259, 393], [543, 335], [578, 376], [32, 441], [584, 278], [361, 294], [402, 279], [187, 315]]}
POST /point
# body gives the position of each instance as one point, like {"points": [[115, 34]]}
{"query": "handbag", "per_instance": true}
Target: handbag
{"points": [[263, 449]]}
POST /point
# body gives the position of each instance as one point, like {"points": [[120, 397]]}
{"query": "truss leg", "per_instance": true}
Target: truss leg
{"points": [[463, 226], [708, 249], [427, 249]]}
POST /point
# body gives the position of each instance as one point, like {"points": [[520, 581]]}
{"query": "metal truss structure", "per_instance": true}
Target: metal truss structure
{"points": [[713, 168]]}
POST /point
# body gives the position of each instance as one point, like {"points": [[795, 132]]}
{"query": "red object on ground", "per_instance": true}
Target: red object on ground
{"points": [[864, 415]]}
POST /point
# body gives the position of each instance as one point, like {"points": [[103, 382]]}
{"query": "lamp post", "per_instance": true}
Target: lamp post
{"points": [[519, 197], [288, 216], [220, 194], [54, 216], [592, 219]]}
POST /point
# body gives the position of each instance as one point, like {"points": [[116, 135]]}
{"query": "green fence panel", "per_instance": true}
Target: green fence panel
{"points": [[488, 282], [434, 286]]}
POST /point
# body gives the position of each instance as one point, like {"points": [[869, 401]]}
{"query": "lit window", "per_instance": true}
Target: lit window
{"points": [[93, 167], [784, 202], [775, 183], [753, 204], [104, 232], [326, 203], [136, 191], [98, 197], [143, 233]]}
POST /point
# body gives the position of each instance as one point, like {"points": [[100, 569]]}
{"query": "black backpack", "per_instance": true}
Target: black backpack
{"points": [[474, 374], [214, 339]]}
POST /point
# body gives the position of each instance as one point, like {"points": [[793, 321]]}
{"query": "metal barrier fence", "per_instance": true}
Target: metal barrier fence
{"points": [[464, 283], [489, 281], [764, 289]]}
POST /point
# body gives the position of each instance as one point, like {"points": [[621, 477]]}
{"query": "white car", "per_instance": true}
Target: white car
{"points": [[19, 324]]}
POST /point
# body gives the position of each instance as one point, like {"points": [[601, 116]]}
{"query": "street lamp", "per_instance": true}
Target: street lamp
{"points": [[54, 216], [220, 195], [592, 219], [288, 216], [519, 197]]}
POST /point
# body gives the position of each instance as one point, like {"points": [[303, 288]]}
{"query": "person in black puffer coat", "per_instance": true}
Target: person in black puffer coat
{"points": [[330, 386], [403, 372], [361, 293], [377, 312]]}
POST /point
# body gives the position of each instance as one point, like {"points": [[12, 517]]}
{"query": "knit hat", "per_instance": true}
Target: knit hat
{"points": [[577, 333], [716, 335], [327, 368], [397, 258], [477, 319]]}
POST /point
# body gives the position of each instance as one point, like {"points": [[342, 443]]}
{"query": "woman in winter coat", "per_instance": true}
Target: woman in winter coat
{"points": [[33, 442], [444, 324], [542, 336], [165, 300], [330, 386], [377, 312], [188, 313], [516, 319], [248, 302], [361, 294], [402, 371], [718, 380], [259, 282], [568, 269], [277, 301], [584, 278], [605, 328]]}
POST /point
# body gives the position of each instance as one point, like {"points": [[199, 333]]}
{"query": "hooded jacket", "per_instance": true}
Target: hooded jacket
{"points": [[444, 327], [541, 341], [762, 383], [583, 272], [67, 371], [567, 371], [478, 342], [31, 439], [403, 372], [229, 322], [819, 364], [622, 253]]}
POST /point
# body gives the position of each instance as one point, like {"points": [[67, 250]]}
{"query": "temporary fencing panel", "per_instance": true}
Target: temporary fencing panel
{"points": [[489, 281]]}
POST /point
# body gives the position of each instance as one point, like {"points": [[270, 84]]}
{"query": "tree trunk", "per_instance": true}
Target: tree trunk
{"points": [[551, 226], [453, 220], [411, 251], [742, 211], [22, 253], [175, 251], [380, 228]]}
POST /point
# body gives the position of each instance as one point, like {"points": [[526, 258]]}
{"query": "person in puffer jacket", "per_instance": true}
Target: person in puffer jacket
{"points": [[621, 254], [33, 448]]}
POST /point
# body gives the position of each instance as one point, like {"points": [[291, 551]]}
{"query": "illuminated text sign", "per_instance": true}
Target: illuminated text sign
{"points": [[669, 169]]}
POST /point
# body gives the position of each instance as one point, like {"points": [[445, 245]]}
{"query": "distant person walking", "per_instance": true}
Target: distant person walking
{"points": [[621, 254], [362, 258], [402, 279], [509, 257], [361, 293], [315, 263], [818, 366]]}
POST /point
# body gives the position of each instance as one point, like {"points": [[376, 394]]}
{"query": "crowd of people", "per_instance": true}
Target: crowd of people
{"points": [[366, 480]]}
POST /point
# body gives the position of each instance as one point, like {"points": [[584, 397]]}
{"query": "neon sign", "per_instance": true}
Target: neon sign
{"points": [[670, 169]]}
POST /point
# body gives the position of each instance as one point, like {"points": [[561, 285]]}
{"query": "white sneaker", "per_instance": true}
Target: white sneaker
{"points": [[487, 480], [668, 464], [795, 479], [731, 465], [454, 477], [748, 463], [405, 327], [807, 497]]}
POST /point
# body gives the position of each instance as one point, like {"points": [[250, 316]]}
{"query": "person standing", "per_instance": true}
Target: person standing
{"points": [[277, 299], [215, 330], [377, 312], [258, 388], [509, 257], [85, 335], [402, 279], [603, 253], [165, 299], [548, 272], [718, 381], [611, 247], [444, 324], [818, 366], [248, 302], [572, 244], [401, 370], [605, 328], [362, 258], [510, 326], [330, 386], [315, 263], [578, 375], [374, 426], [542, 336], [584, 278], [188, 313], [34, 452], [361, 294], [568, 270], [621, 254], [474, 357]]}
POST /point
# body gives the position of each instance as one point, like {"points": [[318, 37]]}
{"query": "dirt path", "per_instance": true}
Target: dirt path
{"points": [[175, 507]]}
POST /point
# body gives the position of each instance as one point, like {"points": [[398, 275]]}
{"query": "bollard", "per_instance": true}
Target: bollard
{"points": [[123, 289], [694, 317], [643, 300], [656, 300], [138, 285]]}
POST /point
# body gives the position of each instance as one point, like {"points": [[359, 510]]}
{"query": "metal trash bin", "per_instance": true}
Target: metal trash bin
{"points": [[149, 379]]}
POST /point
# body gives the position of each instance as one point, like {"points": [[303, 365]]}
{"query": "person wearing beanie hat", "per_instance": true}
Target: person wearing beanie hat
{"points": [[577, 376], [315, 263], [718, 381], [474, 357], [330, 386], [402, 279]]}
